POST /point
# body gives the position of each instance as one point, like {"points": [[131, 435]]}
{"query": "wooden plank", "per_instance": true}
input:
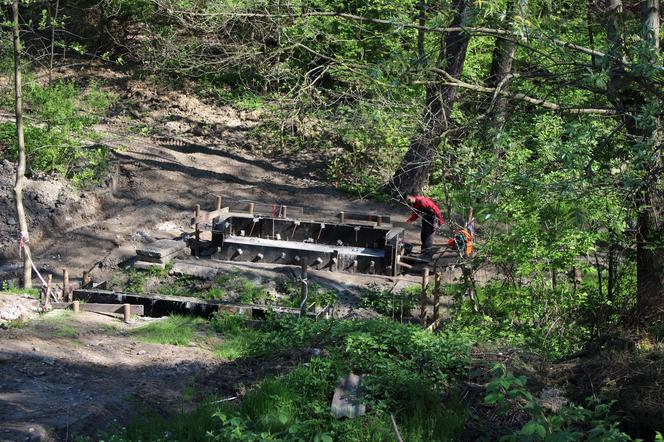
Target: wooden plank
{"points": [[154, 303], [204, 216], [359, 216], [100, 308]]}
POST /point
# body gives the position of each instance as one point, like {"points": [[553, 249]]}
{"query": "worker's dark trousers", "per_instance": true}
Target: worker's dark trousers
{"points": [[429, 224]]}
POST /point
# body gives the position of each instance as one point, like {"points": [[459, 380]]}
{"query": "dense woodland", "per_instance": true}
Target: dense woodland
{"points": [[543, 116]]}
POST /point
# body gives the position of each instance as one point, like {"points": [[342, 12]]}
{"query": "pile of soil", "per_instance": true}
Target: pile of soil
{"points": [[50, 203]]}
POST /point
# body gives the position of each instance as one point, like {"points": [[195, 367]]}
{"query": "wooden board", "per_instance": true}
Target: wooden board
{"points": [[162, 305], [370, 217], [100, 308], [204, 217]]}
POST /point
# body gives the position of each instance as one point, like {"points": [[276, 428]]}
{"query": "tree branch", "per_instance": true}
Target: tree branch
{"points": [[451, 81]]}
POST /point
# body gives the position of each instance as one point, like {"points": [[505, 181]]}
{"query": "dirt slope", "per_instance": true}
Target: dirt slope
{"points": [[195, 151]]}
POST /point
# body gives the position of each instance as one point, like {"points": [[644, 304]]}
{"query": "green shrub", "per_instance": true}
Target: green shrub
{"points": [[58, 131]]}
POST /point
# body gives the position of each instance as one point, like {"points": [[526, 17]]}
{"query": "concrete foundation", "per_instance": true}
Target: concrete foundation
{"points": [[364, 247]]}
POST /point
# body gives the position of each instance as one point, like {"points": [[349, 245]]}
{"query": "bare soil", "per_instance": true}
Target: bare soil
{"points": [[65, 376]]}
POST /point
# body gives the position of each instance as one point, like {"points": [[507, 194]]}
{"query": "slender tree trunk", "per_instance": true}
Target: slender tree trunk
{"points": [[53, 18], [20, 170], [501, 63], [413, 173], [422, 21]]}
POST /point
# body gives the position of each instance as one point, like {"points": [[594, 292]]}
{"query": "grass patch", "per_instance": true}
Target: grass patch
{"points": [[59, 321], [7, 290], [174, 330], [238, 338]]}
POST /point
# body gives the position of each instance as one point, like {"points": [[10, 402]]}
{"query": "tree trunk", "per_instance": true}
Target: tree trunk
{"points": [[413, 173], [650, 232], [20, 170], [646, 135], [501, 64]]}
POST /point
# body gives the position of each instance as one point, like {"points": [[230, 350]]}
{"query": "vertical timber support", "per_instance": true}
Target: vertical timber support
{"points": [[423, 297], [46, 292], [438, 276], [305, 287], [126, 312], [65, 286], [85, 280], [197, 231], [76, 306]]}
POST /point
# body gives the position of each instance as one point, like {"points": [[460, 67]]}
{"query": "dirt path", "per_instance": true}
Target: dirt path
{"points": [[63, 375]]}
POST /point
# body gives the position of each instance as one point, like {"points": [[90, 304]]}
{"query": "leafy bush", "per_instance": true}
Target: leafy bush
{"points": [[58, 131], [387, 303], [573, 422]]}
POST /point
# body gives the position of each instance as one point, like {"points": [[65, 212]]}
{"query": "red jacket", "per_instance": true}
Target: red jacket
{"points": [[424, 204]]}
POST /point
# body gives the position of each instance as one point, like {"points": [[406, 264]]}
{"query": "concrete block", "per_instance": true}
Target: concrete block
{"points": [[197, 271], [161, 248]]}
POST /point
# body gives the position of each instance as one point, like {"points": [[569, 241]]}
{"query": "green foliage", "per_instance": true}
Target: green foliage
{"points": [[388, 303], [58, 131], [572, 423], [7, 289], [173, 330], [59, 323]]}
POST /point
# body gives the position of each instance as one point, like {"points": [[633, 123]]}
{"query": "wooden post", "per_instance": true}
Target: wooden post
{"points": [[65, 286], [423, 297], [379, 221], [46, 291], [126, 312], [252, 206], [305, 287], [197, 232], [77, 306], [284, 212], [86, 280], [217, 202], [342, 218], [436, 294]]}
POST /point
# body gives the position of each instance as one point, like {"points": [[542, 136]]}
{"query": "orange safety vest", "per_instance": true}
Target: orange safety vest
{"points": [[468, 240]]}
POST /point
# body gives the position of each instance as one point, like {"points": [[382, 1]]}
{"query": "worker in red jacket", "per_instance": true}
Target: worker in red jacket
{"points": [[426, 209]]}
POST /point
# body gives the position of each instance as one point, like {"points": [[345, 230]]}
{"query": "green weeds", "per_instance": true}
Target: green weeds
{"points": [[7, 289], [59, 322], [174, 330], [58, 135]]}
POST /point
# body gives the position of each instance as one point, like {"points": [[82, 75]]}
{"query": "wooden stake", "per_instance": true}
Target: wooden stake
{"points": [[395, 428], [197, 232], [47, 291], [284, 212], [423, 297], [86, 279], [342, 218], [126, 312], [305, 287], [217, 202], [436, 295], [65, 286], [77, 306], [252, 206]]}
